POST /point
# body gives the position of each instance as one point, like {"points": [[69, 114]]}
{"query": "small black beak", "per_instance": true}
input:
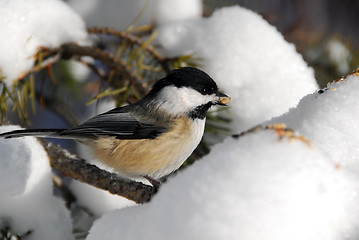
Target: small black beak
{"points": [[223, 99]]}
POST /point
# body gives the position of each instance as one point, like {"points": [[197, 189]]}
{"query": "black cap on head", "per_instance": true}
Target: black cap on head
{"points": [[188, 77]]}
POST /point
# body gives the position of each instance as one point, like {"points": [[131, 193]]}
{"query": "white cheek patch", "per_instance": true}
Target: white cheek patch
{"points": [[181, 100]]}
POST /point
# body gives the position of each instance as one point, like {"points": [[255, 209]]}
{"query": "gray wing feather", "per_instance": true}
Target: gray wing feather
{"points": [[117, 123]]}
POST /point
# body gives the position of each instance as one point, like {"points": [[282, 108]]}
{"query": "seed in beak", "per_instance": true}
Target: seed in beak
{"points": [[224, 100]]}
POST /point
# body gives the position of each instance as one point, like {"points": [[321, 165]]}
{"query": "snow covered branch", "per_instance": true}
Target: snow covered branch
{"points": [[77, 168]]}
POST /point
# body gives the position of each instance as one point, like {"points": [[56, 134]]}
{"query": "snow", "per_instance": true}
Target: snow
{"points": [[330, 119], [96, 200], [78, 70], [165, 11], [340, 55], [248, 58], [29, 24], [254, 187], [111, 13], [120, 14], [26, 200]]}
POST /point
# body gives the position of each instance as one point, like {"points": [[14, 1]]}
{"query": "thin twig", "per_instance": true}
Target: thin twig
{"points": [[127, 36], [71, 49], [101, 74], [135, 40]]}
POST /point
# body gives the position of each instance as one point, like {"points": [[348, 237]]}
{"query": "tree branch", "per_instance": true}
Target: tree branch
{"points": [[77, 168], [135, 40]]}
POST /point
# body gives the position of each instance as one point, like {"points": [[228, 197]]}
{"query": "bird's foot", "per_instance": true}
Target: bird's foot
{"points": [[155, 183]]}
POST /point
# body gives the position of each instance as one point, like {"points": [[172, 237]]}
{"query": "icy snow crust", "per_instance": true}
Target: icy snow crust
{"points": [[25, 25], [249, 60]]}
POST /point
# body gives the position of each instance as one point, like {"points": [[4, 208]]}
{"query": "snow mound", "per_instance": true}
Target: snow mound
{"points": [[248, 58], [256, 187], [26, 200], [330, 119], [98, 201], [25, 25]]}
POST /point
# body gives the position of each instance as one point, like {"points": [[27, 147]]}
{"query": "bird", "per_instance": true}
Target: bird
{"points": [[150, 138]]}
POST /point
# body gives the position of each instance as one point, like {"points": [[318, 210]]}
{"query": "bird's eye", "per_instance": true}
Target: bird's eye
{"points": [[204, 90]]}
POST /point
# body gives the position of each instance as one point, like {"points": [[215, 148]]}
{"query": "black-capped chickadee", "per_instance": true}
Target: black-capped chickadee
{"points": [[152, 137]]}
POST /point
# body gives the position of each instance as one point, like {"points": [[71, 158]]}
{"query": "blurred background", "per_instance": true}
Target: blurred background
{"points": [[325, 32]]}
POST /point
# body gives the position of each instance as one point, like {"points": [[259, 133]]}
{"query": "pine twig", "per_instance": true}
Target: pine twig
{"points": [[129, 37], [134, 40], [71, 49]]}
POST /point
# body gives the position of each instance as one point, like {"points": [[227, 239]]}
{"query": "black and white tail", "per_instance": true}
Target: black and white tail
{"points": [[50, 133]]}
